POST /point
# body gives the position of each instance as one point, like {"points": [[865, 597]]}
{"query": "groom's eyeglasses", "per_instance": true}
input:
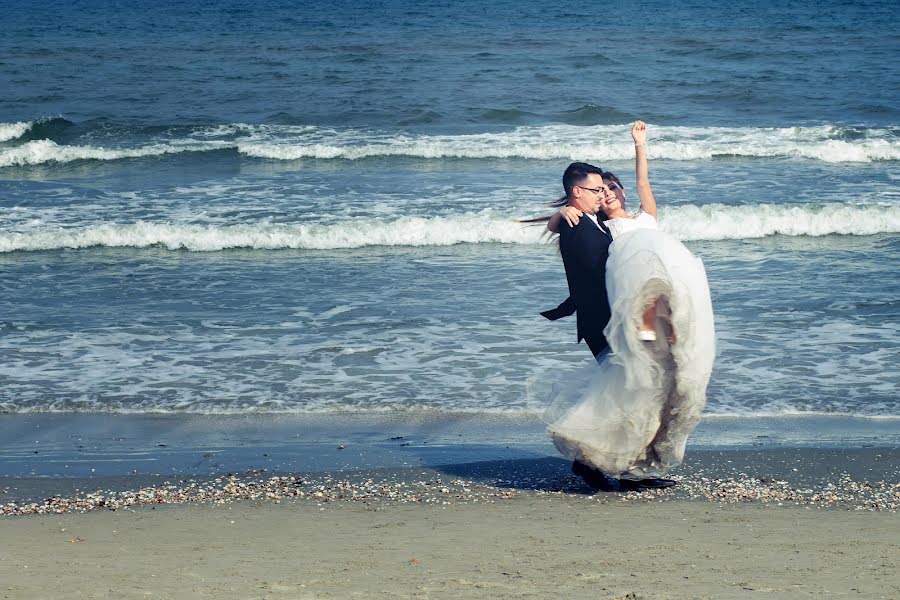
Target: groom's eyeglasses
{"points": [[599, 191]]}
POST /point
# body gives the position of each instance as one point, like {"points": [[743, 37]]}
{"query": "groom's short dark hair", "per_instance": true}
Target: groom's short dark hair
{"points": [[576, 172]]}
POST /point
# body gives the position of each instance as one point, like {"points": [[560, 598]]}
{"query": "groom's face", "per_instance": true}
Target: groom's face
{"points": [[584, 196]]}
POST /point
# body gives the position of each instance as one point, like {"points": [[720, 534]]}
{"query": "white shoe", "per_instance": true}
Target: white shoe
{"points": [[647, 335]]}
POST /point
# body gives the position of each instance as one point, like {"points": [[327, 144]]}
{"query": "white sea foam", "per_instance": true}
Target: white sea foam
{"points": [[597, 143], [720, 222], [38, 152], [11, 131], [547, 142], [407, 231], [710, 222]]}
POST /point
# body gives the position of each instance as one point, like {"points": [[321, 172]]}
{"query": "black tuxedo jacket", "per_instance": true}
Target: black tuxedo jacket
{"points": [[584, 249]]}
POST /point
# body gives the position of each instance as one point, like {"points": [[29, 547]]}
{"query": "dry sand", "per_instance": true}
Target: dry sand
{"points": [[530, 546]]}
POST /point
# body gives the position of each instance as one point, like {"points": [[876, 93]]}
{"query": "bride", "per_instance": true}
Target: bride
{"points": [[631, 418]]}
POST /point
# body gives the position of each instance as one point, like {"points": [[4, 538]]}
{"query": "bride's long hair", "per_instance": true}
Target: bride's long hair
{"points": [[560, 202]]}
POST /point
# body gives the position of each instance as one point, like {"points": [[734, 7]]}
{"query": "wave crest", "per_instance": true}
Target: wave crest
{"points": [[719, 222], [690, 223], [38, 152], [406, 231], [545, 142], [12, 131], [597, 143]]}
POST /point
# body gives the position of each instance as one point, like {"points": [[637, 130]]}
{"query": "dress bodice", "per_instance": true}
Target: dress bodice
{"points": [[621, 225]]}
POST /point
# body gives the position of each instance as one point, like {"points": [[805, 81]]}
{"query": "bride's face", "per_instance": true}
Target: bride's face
{"points": [[617, 189], [612, 197]]}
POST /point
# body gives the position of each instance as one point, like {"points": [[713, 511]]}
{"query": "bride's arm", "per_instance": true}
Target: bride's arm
{"points": [[644, 191], [569, 213]]}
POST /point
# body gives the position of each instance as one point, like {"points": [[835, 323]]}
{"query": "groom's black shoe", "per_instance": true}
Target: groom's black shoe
{"points": [[655, 483], [642, 485], [597, 480]]}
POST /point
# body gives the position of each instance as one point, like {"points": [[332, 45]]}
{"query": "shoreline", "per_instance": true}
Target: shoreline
{"points": [[72, 462], [66, 445], [862, 479]]}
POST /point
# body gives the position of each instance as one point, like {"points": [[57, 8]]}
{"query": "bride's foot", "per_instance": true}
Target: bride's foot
{"points": [[647, 335]]}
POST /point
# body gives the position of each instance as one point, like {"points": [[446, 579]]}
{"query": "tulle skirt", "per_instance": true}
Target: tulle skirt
{"points": [[631, 416]]}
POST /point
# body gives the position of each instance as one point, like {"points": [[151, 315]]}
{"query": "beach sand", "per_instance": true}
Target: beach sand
{"points": [[530, 546]]}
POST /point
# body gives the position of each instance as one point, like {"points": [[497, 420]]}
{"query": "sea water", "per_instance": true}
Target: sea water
{"points": [[222, 207]]}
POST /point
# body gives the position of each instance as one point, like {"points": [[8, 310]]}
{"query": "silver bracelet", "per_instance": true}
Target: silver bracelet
{"points": [[639, 145]]}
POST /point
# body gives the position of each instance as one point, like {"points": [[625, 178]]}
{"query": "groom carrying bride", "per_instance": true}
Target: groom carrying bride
{"points": [[584, 247]]}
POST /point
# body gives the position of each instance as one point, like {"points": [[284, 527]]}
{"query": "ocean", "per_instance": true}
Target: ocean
{"points": [[281, 207]]}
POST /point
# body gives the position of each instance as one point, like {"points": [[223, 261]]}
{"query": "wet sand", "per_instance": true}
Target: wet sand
{"points": [[862, 479], [69, 446]]}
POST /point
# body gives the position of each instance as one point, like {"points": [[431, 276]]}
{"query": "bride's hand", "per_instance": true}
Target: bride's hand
{"points": [[571, 215], [639, 133]]}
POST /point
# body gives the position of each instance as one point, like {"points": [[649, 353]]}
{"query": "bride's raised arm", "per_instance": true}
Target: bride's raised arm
{"points": [[644, 191]]}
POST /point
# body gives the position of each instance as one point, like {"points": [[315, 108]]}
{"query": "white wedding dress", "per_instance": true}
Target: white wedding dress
{"points": [[631, 417]]}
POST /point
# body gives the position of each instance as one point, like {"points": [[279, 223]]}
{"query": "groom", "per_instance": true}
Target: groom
{"points": [[585, 248]]}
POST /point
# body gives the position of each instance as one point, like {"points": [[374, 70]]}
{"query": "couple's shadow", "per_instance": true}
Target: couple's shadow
{"points": [[547, 474]]}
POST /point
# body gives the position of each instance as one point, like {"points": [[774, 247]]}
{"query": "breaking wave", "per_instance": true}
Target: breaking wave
{"points": [[710, 222], [545, 142], [597, 143], [38, 152], [11, 131]]}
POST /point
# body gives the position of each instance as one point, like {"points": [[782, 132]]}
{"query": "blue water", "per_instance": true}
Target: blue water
{"points": [[452, 65], [279, 207]]}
